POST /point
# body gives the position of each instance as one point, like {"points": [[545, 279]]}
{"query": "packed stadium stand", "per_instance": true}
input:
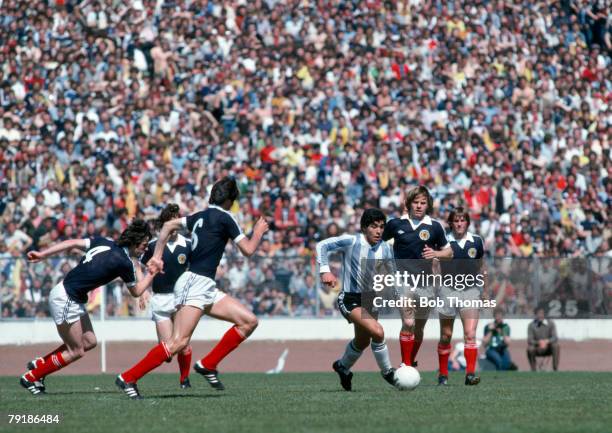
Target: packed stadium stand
{"points": [[109, 110]]}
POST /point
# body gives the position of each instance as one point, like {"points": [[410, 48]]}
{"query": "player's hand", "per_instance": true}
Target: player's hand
{"points": [[543, 344], [35, 256], [261, 226], [429, 253], [144, 300], [155, 266], [328, 279]]}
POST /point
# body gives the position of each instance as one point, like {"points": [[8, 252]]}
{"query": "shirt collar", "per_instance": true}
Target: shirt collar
{"points": [[461, 242], [365, 242], [426, 220], [180, 241]]}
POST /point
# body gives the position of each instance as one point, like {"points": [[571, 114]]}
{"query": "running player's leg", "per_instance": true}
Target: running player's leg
{"points": [[369, 331], [422, 313], [89, 337], [444, 347], [186, 320], [469, 319], [89, 342], [411, 335], [365, 329], [406, 337], [245, 322], [164, 333], [72, 336], [164, 330], [352, 352]]}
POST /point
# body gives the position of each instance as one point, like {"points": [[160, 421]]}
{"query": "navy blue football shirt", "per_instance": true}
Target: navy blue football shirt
{"points": [[103, 261], [176, 261], [411, 237], [467, 255], [210, 230]]}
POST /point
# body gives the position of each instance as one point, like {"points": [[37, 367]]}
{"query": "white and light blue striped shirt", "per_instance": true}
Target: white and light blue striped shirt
{"points": [[354, 249]]}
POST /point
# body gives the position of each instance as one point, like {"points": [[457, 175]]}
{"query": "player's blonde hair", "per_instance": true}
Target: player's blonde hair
{"points": [[414, 193]]}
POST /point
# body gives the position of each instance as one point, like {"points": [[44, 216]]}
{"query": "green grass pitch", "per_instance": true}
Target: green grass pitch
{"points": [[313, 402]]}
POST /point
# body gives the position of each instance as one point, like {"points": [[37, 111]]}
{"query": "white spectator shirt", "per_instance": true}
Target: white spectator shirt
{"points": [[17, 240], [27, 203], [19, 90], [52, 198]]}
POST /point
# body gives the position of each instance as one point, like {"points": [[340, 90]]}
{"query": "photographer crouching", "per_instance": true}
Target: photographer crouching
{"points": [[496, 340]]}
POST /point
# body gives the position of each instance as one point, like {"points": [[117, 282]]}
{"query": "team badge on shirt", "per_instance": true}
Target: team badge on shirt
{"points": [[424, 235], [472, 252], [182, 258]]}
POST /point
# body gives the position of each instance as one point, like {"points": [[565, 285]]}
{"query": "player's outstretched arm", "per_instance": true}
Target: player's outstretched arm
{"points": [[142, 282], [247, 246], [37, 256], [156, 264]]}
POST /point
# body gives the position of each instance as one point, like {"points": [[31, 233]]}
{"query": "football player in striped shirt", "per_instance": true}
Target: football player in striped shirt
{"points": [[359, 253], [104, 260], [468, 250]]}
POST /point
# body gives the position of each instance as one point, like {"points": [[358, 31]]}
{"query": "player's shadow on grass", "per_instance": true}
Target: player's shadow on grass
{"points": [[82, 392], [184, 396], [340, 391]]}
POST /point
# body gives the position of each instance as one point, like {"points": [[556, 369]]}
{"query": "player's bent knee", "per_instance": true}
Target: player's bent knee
{"points": [[445, 338], [76, 352], [90, 344], [408, 325], [469, 338], [378, 334], [182, 344], [249, 325], [362, 343], [177, 345]]}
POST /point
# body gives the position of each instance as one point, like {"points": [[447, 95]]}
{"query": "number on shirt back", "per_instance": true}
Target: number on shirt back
{"points": [[194, 237], [89, 255]]}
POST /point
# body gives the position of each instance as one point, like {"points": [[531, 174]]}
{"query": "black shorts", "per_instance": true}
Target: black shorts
{"points": [[347, 302]]}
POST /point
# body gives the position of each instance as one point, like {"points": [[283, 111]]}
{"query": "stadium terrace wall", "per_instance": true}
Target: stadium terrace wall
{"points": [[26, 331]]}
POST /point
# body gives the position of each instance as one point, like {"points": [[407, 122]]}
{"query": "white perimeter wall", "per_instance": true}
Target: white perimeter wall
{"points": [[44, 331]]}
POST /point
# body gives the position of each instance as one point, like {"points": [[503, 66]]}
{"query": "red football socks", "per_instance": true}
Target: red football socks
{"points": [[229, 342], [406, 344], [471, 355], [444, 351], [151, 361], [47, 357], [184, 361], [55, 362]]}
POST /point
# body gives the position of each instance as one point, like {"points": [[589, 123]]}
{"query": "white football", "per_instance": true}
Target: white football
{"points": [[407, 378]]}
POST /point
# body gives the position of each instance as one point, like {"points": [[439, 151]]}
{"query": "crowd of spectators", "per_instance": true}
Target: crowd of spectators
{"points": [[110, 109]]}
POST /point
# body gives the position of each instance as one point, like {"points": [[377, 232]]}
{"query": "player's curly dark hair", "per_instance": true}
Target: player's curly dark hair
{"points": [[458, 212], [370, 216], [223, 190], [135, 233], [414, 193], [168, 213]]}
